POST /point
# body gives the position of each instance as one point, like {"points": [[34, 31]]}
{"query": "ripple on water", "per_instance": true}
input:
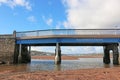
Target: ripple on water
{"points": [[48, 65]]}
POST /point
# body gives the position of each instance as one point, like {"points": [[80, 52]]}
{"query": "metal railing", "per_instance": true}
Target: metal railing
{"points": [[68, 32]]}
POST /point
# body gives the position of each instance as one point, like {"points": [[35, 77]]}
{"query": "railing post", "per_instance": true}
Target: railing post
{"points": [[37, 33], [14, 33]]}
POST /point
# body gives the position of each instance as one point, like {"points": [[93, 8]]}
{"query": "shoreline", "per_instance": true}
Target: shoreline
{"points": [[67, 57]]}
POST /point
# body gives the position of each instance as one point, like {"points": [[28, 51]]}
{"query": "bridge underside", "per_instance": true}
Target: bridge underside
{"points": [[68, 41], [108, 38], [107, 43], [71, 44]]}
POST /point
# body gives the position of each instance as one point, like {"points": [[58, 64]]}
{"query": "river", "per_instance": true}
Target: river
{"points": [[48, 65]]}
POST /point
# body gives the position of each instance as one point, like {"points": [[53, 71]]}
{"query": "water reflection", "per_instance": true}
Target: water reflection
{"points": [[57, 67], [82, 63], [48, 65]]}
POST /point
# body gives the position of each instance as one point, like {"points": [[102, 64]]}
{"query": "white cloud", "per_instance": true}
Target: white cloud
{"points": [[31, 19], [83, 14], [81, 50], [43, 48], [14, 3], [48, 21], [71, 49]]}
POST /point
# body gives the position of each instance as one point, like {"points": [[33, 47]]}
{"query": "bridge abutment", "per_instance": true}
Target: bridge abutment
{"points": [[114, 48], [7, 47], [57, 54], [16, 54]]}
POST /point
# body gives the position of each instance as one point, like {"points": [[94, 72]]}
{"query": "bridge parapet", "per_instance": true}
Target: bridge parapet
{"points": [[68, 32], [6, 36]]}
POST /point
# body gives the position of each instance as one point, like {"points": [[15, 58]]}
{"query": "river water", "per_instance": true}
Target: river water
{"points": [[48, 65]]}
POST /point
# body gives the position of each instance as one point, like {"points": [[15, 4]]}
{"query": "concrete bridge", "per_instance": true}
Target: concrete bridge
{"points": [[108, 38]]}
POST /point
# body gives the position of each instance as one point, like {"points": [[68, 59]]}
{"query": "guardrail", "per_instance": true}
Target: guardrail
{"points": [[6, 36], [68, 32]]}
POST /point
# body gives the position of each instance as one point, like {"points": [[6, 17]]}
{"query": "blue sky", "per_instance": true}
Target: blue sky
{"points": [[37, 15], [27, 15]]}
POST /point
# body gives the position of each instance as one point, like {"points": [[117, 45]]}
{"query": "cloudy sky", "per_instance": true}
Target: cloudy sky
{"points": [[25, 15]]}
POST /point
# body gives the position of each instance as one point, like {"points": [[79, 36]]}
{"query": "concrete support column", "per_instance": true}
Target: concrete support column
{"points": [[20, 51], [106, 58], [114, 48], [29, 49], [119, 48], [26, 57], [57, 54], [115, 54], [29, 54], [22, 54]]}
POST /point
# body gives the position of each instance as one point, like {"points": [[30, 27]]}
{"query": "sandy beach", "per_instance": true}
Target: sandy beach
{"points": [[85, 74], [81, 74]]}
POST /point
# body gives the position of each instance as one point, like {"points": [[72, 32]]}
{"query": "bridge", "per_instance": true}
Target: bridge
{"points": [[108, 38]]}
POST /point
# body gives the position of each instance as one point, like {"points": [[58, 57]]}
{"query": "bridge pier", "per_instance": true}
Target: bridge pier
{"points": [[114, 48], [57, 54], [22, 54], [106, 58], [115, 55], [25, 55], [29, 54]]}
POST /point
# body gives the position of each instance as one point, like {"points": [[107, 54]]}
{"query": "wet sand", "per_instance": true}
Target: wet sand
{"points": [[85, 74], [82, 74]]}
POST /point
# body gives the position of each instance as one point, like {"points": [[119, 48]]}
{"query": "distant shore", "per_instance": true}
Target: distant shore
{"points": [[68, 57]]}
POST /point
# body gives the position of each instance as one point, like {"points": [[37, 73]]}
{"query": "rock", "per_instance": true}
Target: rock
{"points": [[2, 62]]}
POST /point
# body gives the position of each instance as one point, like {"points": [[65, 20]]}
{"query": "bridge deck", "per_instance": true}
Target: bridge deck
{"points": [[70, 36]]}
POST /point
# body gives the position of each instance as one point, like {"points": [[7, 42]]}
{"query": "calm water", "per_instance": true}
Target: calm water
{"points": [[48, 65]]}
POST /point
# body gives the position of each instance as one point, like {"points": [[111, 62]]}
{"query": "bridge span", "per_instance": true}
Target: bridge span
{"points": [[108, 38]]}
